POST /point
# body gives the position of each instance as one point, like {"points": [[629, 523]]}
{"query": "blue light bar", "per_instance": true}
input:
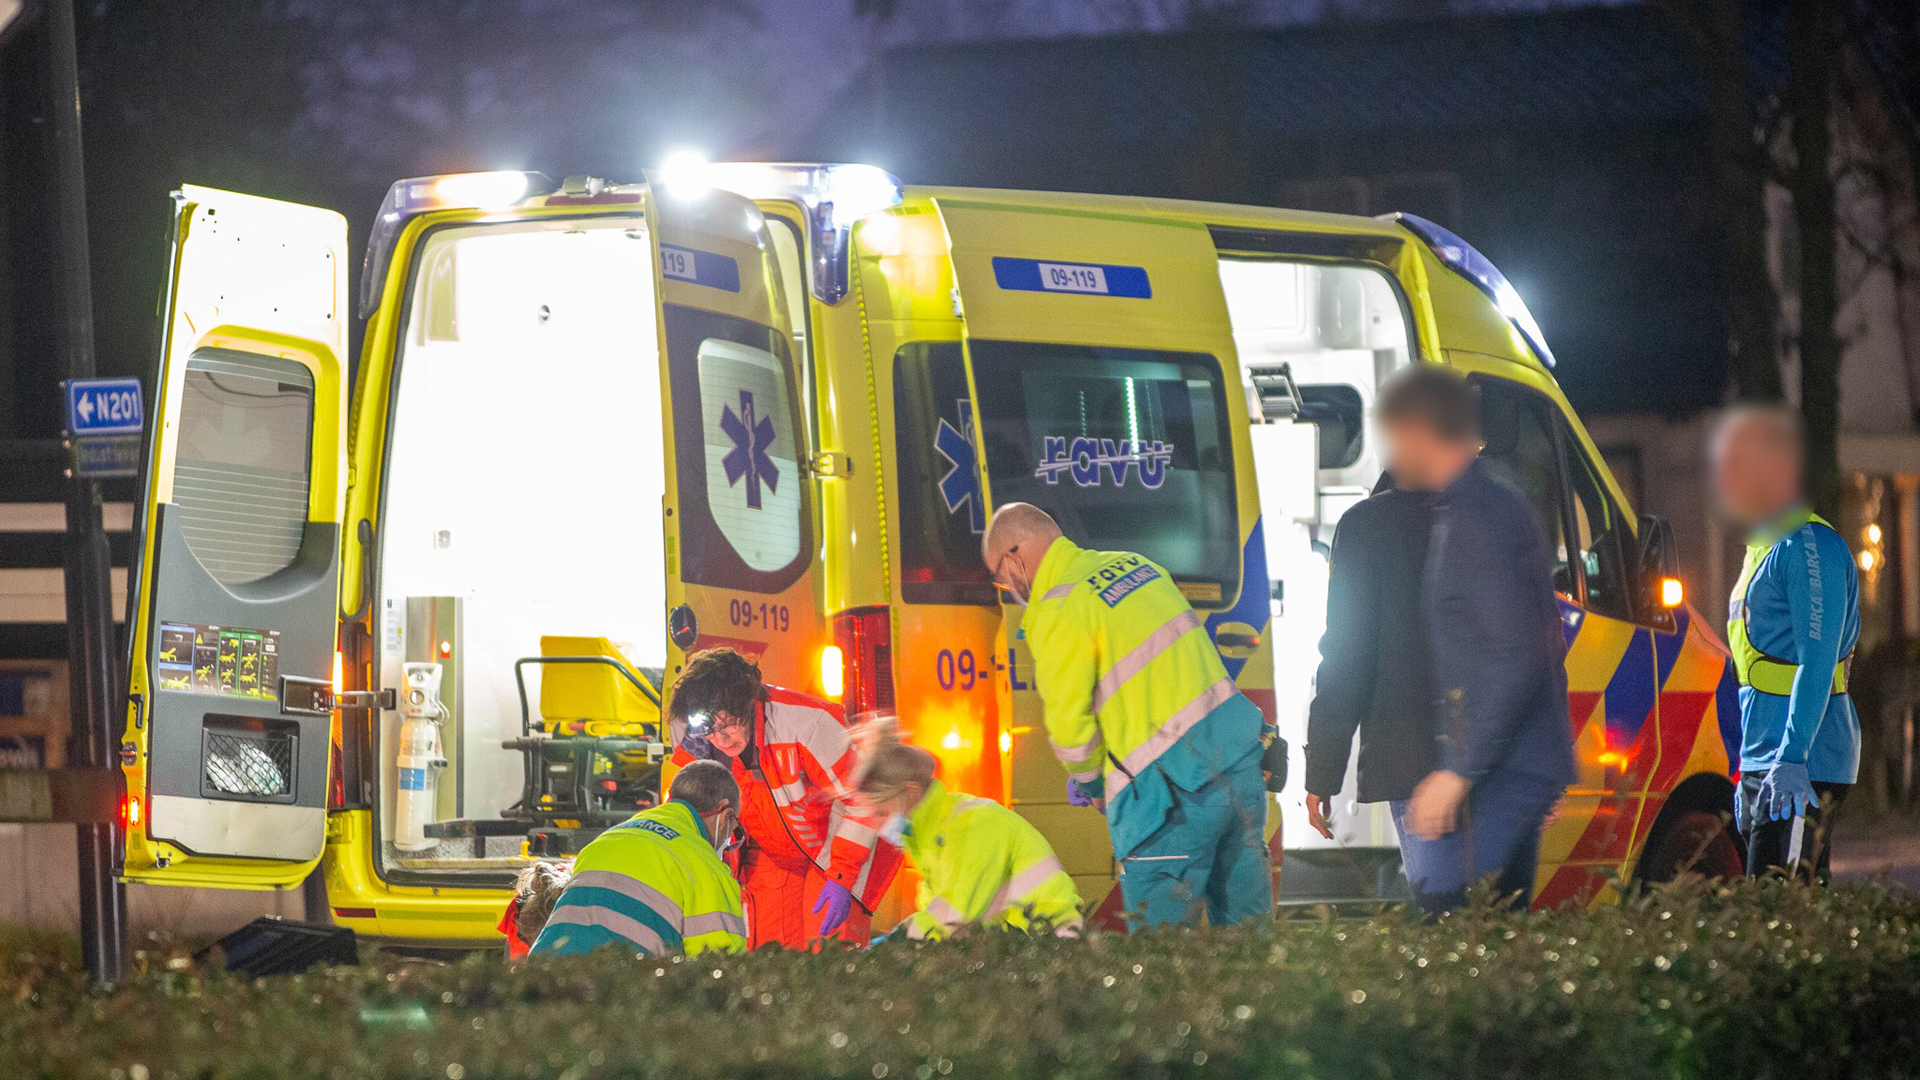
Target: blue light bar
{"points": [[1464, 259]]}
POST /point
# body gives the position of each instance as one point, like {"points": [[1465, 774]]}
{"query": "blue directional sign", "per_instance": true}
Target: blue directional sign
{"points": [[103, 407]]}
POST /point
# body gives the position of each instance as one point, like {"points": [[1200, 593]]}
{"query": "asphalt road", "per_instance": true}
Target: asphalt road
{"points": [[1887, 845]]}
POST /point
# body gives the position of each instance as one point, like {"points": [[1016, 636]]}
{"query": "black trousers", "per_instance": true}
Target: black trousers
{"points": [[1799, 845]]}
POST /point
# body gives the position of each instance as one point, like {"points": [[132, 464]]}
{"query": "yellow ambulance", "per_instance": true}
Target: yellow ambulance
{"points": [[409, 617]]}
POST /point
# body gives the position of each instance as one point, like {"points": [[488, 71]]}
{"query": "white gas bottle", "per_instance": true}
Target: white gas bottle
{"points": [[419, 760]]}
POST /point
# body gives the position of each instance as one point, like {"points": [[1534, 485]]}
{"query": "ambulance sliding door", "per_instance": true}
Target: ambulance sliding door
{"points": [[1105, 389], [235, 603], [739, 514]]}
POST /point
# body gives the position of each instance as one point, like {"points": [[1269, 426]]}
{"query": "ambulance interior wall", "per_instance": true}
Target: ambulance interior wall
{"points": [[1341, 329], [524, 485]]}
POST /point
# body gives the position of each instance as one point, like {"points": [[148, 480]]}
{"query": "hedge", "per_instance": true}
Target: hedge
{"points": [[1735, 981]]}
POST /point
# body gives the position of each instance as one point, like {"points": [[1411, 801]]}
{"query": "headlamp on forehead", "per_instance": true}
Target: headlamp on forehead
{"points": [[700, 723]]}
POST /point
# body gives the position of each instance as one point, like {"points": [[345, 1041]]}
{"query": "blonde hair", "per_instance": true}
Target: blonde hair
{"points": [[539, 887], [888, 766]]}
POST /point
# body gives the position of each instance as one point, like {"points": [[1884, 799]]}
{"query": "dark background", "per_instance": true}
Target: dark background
{"points": [[1568, 141]]}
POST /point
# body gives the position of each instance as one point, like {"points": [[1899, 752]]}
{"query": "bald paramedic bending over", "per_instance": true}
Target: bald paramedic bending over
{"points": [[1792, 625], [1144, 716]]}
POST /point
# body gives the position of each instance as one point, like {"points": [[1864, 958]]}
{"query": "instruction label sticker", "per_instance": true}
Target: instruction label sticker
{"points": [[1087, 279], [709, 268], [219, 661]]}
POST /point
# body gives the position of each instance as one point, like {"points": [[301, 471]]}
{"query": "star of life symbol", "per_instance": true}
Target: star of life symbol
{"points": [[1083, 460], [961, 485], [751, 435]]}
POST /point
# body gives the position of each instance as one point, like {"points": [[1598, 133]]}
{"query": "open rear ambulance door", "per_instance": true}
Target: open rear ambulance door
{"points": [[235, 602], [1105, 389], [739, 516]]}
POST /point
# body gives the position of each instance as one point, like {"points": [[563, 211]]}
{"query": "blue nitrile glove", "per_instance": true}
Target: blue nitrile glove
{"points": [[838, 901], [1786, 792], [1079, 794], [1741, 824]]}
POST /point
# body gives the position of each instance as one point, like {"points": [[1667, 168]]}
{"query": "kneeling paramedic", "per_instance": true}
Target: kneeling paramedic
{"points": [[655, 883], [812, 864], [1794, 619], [1134, 689], [979, 862]]}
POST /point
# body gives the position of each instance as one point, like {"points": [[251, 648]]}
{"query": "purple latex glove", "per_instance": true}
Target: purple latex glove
{"points": [[1079, 794], [838, 901]]}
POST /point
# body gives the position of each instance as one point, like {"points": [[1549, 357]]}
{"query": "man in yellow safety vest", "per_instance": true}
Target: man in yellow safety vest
{"points": [[1792, 626], [655, 883], [1145, 718]]}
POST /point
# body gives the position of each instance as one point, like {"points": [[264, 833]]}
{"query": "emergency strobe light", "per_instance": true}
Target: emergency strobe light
{"points": [[1464, 259]]}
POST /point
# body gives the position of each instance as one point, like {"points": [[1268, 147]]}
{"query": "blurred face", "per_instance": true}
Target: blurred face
{"points": [[1421, 459], [1756, 472], [728, 733]]}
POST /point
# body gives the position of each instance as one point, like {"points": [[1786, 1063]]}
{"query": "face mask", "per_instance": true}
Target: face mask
{"points": [[894, 829]]}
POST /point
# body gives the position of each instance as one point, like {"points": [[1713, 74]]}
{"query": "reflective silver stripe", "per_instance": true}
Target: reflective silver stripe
{"points": [[1075, 755], [1087, 777], [1793, 845], [857, 832], [715, 922], [816, 729], [1162, 740], [1059, 592], [626, 926], [1014, 893], [787, 794], [660, 902], [944, 911], [1145, 653]]}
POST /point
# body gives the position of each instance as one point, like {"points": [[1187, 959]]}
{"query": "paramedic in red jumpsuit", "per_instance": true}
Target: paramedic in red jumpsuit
{"points": [[813, 864]]}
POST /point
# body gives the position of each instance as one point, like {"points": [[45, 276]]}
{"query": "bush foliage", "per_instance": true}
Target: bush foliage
{"points": [[1689, 981]]}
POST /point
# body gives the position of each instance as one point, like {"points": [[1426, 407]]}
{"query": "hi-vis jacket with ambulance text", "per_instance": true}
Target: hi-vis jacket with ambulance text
{"points": [[1133, 686], [980, 862], [1794, 620], [796, 789], [652, 883]]}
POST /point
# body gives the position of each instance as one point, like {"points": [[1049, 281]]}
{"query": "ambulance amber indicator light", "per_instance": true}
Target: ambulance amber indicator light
{"points": [[1463, 259], [1672, 593], [833, 671], [417, 195]]}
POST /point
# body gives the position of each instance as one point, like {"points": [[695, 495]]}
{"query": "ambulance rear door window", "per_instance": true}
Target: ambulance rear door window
{"points": [[742, 492], [1127, 448], [942, 515]]}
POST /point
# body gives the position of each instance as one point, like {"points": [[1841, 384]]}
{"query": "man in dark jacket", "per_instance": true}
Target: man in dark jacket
{"points": [[1375, 665], [1499, 656]]}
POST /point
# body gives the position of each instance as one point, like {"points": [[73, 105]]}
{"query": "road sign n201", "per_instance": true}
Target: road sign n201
{"points": [[103, 407]]}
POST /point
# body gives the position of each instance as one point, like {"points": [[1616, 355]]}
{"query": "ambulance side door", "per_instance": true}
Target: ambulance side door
{"points": [[235, 597], [1105, 389], [740, 523]]}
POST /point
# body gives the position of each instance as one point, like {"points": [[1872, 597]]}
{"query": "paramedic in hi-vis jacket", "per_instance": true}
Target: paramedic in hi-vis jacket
{"points": [[1144, 716], [980, 863], [1794, 619], [655, 884]]}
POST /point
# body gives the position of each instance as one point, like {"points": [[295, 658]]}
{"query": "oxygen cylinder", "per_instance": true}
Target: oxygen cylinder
{"points": [[419, 760]]}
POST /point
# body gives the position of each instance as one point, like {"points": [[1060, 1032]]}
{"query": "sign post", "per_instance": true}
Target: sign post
{"points": [[90, 643]]}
